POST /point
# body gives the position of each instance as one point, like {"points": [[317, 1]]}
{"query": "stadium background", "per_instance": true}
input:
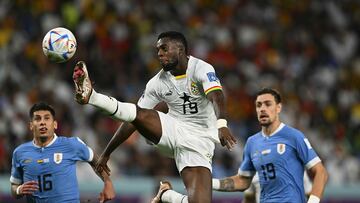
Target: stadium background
{"points": [[309, 50]]}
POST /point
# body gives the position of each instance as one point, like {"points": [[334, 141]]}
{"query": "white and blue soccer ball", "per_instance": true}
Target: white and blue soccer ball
{"points": [[59, 45]]}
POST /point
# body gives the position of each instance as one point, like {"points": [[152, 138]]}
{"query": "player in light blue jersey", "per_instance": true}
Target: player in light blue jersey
{"points": [[44, 170], [279, 154], [252, 194]]}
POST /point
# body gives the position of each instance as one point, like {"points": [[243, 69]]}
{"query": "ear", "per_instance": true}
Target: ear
{"points": [[181, 48], [279, 107], [31, 126], [55, 125]]}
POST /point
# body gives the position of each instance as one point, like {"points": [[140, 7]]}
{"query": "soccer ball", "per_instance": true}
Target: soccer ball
{"points": [[59, 45]]}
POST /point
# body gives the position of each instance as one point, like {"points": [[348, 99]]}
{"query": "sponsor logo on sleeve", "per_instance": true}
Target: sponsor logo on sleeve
{"points": [[212, 77]]}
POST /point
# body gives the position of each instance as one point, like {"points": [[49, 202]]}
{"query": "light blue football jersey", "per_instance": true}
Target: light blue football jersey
{"points": [[279, 160], [53, 166]]}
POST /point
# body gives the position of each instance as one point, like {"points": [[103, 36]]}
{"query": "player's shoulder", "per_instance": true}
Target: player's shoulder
{"points": [[70, 139], [198, 64], [292, 130], [72, 142], [253, 138], [154, 81], [62, 138], [24, 146]]}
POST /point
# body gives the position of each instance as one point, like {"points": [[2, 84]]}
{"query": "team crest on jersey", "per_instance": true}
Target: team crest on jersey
{"points": [[58, 158], [281, 148], [194, 89]]}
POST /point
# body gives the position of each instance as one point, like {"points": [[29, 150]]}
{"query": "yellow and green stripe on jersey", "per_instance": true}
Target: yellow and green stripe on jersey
{"points": [[213, 88], [180, 76]]}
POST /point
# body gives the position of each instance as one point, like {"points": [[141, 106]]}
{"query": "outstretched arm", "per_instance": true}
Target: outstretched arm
{"points": [[320, 176], [218, 100], [232, 183], [108, 191]]}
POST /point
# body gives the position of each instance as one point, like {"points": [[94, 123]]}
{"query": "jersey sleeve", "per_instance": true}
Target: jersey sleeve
{"points": [[16, 170], [305, 151], [149, 99], [247, 168], [81, 151], [207, 77]]}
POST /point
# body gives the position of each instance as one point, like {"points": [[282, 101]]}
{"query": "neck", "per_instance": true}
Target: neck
{"points": [[268, 130], [181, 68], [43, 141]]}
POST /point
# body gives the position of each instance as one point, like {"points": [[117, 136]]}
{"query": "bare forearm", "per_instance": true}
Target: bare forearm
{"points": [[120, 136], [218, 100], [234, 183], [227, 184], [102, 174], [319, 182]]}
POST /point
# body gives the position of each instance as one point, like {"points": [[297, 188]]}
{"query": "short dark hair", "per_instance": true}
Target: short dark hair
{"points": [[174, 35], [41, 106], [271, 91]]}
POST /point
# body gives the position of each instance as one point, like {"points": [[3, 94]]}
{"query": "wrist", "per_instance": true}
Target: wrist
{"points": [[215, 184], [221, 123], [18, 190], [313, 199]]}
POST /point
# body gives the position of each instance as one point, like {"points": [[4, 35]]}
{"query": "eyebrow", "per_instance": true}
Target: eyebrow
{"points": [[162, 45], [266, 101], [45, 115]]}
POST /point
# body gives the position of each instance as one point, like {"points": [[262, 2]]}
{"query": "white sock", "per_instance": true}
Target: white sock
{"points": [[117, 110], [173, 197]]}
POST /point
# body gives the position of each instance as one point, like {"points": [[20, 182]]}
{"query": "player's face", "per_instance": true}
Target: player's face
{"points": [[168, 53], [43, 124], [267, 109]]}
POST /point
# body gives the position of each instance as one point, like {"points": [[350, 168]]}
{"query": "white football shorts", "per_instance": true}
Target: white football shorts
{"points": [[189, 146]]}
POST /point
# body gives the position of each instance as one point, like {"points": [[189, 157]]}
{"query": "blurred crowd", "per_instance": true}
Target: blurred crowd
{"points": [[308, 50]]}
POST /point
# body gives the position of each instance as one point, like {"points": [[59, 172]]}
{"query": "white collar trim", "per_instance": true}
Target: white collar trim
{"points": [[52, 141], [277, 130]]}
